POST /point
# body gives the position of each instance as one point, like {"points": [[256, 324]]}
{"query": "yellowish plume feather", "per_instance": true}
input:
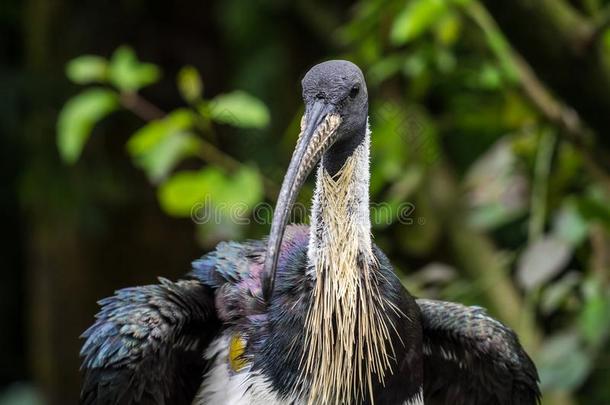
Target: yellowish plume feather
{"points": [[348, 342]]}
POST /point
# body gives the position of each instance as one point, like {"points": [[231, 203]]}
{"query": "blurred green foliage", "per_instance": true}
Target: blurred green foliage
{"points": [[507, 213], [165, 139]]}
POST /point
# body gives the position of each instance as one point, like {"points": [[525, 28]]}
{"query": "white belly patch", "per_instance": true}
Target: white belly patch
{"points": [[222, 386]]}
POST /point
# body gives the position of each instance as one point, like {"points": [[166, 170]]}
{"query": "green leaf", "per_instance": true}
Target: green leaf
{"points": [[190, 84], [489, 77], [415, 19], [558, 292], [160, 145], [448, 29], [563, 363], [77, 118], [445, 60], [169, 153], [542, 260], [238, 109], [593, 319], [152, 133], [180, 195], [594, 207], [569, 225], [128, 74], [166, 154], [496, 187], [87, 69], [606, 39], [385, 67], [495, 39], [243, 188], [415, 64], [186, 193]]}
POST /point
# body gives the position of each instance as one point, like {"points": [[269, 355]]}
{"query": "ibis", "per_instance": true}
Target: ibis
{"points": [[310, 315]]}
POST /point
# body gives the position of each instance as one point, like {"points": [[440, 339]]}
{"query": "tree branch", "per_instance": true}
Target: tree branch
{"points": [[147, 111], [602, 23], [557, 46], [563, 116], [141, 107]]}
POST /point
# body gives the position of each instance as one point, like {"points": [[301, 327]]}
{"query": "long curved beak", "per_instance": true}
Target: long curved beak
{"points": [[318, 130]]}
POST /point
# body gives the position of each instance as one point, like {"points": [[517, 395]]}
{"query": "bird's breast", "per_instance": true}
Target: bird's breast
{"points": [[225, 384]]}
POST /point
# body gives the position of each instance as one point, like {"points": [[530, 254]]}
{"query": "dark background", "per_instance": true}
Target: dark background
{"points": [[487, 226]]}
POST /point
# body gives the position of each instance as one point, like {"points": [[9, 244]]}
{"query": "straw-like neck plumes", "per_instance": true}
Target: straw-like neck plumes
{"points": [[340, 210], [348, 346]]}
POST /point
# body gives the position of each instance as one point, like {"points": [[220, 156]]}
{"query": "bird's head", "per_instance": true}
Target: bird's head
{"points": [[335, 87], [334, 123]]}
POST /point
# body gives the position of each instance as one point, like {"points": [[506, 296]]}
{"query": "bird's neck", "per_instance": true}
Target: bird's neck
{"points": [[340, 220], [346, 335]]}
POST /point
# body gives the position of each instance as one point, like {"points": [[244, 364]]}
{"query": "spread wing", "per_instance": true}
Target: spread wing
{"points": [[472, 359], [147, 344]]}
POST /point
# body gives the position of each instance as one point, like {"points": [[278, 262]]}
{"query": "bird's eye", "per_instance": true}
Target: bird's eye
{"points": [[354, 91]]}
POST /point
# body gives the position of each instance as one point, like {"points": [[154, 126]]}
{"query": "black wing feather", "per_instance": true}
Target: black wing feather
{"points": [[473, 359], [146, 346]]}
